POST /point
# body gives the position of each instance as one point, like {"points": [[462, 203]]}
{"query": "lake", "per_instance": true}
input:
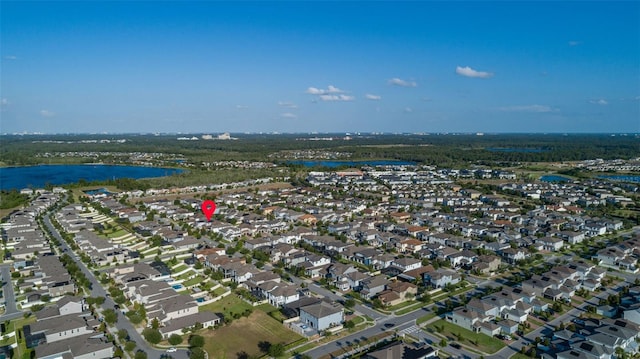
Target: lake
{"points": [[554, 178], [333, 164], [39, 176]]}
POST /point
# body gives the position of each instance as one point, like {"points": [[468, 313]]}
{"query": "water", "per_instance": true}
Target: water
{"points": [[40, 176], [94, 192], [333, 164], [554, 178], [622, 178]]}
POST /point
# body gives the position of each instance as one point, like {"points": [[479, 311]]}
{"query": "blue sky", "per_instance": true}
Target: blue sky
{"points": [[507, 66]]}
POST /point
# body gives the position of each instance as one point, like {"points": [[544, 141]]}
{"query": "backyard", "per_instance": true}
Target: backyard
{"points": [[242, 336]]}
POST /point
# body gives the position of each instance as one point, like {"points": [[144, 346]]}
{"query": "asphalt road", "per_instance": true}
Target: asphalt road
{"points": [[11, 310], [391, 324], [98, 291]]}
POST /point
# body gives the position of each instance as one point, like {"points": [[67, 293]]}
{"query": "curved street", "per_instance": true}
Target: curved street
{"points": [[98, 291]]}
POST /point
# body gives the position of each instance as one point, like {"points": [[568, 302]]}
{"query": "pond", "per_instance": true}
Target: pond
{"points": [[40, 176], [554, 178]]}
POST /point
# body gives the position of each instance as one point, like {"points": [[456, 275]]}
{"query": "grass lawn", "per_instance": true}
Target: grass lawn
{"points": [[411, 308], [358, 320], [243, 336], [519, 356], [425, 318], [535, 321], [118, 233], [179, 268], [193, 281], [184, 276], [228, 306], [451, 331], [219, 291], [401, 305]]}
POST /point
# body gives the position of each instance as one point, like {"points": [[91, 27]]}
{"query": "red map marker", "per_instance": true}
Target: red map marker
{"points": [[208, 208]]}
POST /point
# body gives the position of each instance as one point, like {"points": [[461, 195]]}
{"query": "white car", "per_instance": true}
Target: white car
{"points": [[172, 350]]}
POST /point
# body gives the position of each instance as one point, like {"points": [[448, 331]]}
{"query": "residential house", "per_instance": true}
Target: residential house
{"points": [[177, 325], [371, 286], [87, 346], [322, 316], [397, 292], [552, 244], [441, 278]]}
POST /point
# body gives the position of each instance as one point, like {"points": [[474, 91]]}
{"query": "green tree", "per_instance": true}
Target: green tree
{"points": [[110, 316], [196, 353], [123, 334], [175, 339], [277, 350], [153, 336], [130, 345], [140, 355], [196, 341]]}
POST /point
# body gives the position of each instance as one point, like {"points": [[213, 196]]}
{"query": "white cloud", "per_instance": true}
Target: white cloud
{"points": [[314, 91], [242, 107], [288, 115], [317, 91], [574, 43], [469, 72], [46, 113], [287, 104], [408, 109], [529, 108], [340, 97], [373, 97], [400, 82], [601, 102], [11, 57], [4, 102]]}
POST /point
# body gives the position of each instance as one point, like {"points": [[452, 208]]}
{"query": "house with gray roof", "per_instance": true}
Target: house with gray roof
{"points": [[322, 316], [176, 325], [87, 346]]}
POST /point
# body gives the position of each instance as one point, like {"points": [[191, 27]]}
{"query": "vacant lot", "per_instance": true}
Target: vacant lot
{"points": [[452, 332], [244, 334], [228, 306]]}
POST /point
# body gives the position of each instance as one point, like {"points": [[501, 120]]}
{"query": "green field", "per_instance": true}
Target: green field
{"points": [[485, 344], [228, 306], [243, 335], [425, 318]]}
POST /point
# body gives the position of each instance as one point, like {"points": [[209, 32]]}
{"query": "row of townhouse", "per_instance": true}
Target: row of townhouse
{"points": [[561, 282], [598, 340], [145, 285], [45, 275], [497, 313], [101, 250], [624, 255], [67, 329]]}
